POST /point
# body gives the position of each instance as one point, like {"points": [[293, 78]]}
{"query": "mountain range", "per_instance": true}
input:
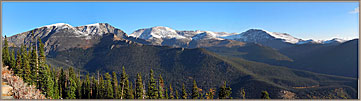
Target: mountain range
{"points": [[255, 60]]}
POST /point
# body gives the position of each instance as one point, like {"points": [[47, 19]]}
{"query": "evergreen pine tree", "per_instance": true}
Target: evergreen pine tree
{"points": [[83, 89], [26, 67], [129, 91], [139, 87], [184, 92], [115, 85], [42, 61], [265, 95], [152, 86], [21, 69], [34, 65], [5, 53], [161, 93], [166, 93], [171, 93], [42, 68], [123, 78], [101, 89], [94, 88], [18, 70], [201, 95], [49, 88], [176, 94], [210, 94], [12, 60], [120, 90], [195, 90], [78, 87], [62, 84], [56, 85], [243, 93], [224, 92], [124, 83], [108, 86], [71, 85], [70, 92], [87, 91]]}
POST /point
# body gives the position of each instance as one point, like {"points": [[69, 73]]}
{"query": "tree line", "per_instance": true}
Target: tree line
{"points": [[30, 64]]}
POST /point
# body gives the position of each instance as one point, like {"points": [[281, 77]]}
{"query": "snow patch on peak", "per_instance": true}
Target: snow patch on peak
{"points": [[286, 37], [334, 40], [337, 40], [59, 25], [95, 25], [309, 41], [162, 27], [157, 32], [205, 35], [260, 34]]}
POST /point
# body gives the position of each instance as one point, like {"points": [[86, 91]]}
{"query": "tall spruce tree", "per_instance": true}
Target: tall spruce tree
{"points": [[166, 93], [5, 53], [56, 84], [101, 89], [34, 65], [78, 87], [161, 93], [139, 87], [26, 67], [18, 70], [210, 94], [83, 89], [87, 91], [42, 61], [94, 88], [12, 59], [42, 67], [243, 93], [129, 90], [201, 95], [152, 86], [21, 69], [71, 85], [49, 83], [195, 90], [224, 92], [176, 94], [108, 86], [115, 85], [171, 93], [62, 84], [265, 95], [184, 92], [124, 84]]}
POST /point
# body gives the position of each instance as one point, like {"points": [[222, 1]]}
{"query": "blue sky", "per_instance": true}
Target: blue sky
{"points": [[316, 20]]}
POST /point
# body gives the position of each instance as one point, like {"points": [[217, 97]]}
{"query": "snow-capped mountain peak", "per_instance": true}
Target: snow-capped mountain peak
{"points": [[255, 35], [157, 32], [286, 37], [337, 40], [206, 35], [98, 29], [58, 25], [309, 41]]}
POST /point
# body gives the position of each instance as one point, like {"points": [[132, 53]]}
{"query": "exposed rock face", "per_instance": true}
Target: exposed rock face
{"points": [[271, 39], [60, 36], [187, 39]]}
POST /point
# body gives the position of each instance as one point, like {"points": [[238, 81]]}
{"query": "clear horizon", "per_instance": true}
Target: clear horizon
{"points": [[312, 20]]}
